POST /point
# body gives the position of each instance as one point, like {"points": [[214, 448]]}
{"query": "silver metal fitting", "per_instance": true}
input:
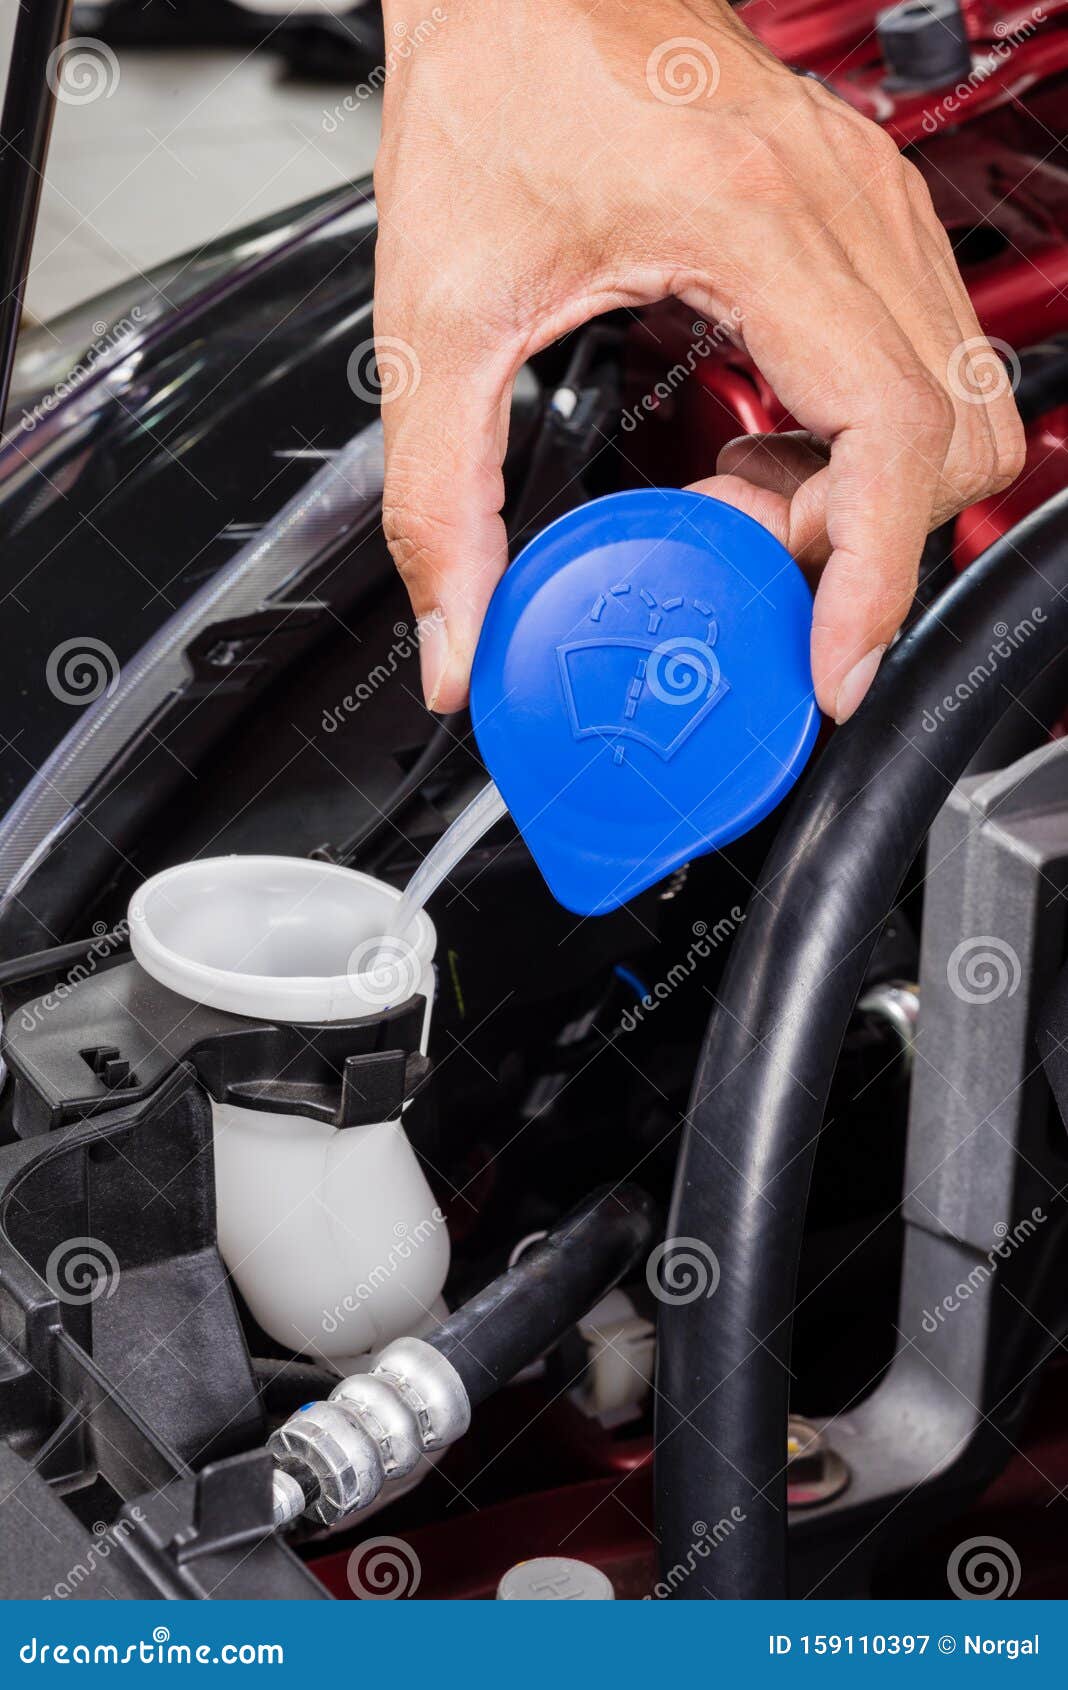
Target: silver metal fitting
{"points": [[289, 1500], [378, 1407], [431, 1387], [896, 1002], [375, 1427], [341, 1454]]}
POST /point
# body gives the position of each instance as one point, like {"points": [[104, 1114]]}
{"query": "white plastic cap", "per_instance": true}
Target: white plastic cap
{"points": [[279, 938], [557, 1578]]}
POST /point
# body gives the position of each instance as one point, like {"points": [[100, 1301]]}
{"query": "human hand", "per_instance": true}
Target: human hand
{"points": [[546, 161]]}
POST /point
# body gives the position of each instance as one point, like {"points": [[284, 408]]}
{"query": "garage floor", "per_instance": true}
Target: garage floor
{"points": [[174, 149]]}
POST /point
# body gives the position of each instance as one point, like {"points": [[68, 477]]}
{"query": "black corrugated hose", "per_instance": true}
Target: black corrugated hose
{"points": [[855, 826]]}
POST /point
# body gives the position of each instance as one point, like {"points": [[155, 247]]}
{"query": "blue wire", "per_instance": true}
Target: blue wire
{"points": [[631, 979]]}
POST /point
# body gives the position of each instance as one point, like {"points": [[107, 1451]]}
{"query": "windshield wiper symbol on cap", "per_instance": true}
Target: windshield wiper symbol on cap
{"points": [[655, 688]]}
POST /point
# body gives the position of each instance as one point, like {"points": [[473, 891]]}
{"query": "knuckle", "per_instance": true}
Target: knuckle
{"points": [[411, 558], [988, 458], [991, 460], [925, 405], [975, 475], [918, 190], [416, 538], [881, 152], [864, 143], [1010, 449]]}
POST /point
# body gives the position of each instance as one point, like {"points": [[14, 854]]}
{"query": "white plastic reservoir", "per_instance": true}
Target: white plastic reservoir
{"points": [[333, 1237]]}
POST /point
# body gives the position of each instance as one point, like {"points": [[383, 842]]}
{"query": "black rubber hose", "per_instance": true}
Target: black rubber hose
{"points": [[285, 1386], [1042, 379], [760, 1091], [37, 963], [522, 1313]]}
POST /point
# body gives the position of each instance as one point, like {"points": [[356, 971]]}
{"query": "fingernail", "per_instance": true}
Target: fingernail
{"points": [[856, 684], [433, 654]]}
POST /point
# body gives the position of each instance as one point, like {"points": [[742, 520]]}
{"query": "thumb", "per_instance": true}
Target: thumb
{"points": [[446, 428]]}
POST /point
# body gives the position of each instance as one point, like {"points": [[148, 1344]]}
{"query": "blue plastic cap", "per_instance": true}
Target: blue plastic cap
{"points": [[642, 691]]}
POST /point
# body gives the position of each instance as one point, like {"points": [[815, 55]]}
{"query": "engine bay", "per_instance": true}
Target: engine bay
{"points": [[830, 1056]]}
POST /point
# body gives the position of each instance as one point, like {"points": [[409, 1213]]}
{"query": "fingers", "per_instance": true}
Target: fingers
{"points": [[879, 501], [445, 441], [796, 519], [926, 298], [846, 371], [780, 462], [976, 373], [788, 465], [886, 363]]}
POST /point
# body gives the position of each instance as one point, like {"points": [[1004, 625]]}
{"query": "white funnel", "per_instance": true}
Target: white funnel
{"points": [[332, 1236], [279, 938]]}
